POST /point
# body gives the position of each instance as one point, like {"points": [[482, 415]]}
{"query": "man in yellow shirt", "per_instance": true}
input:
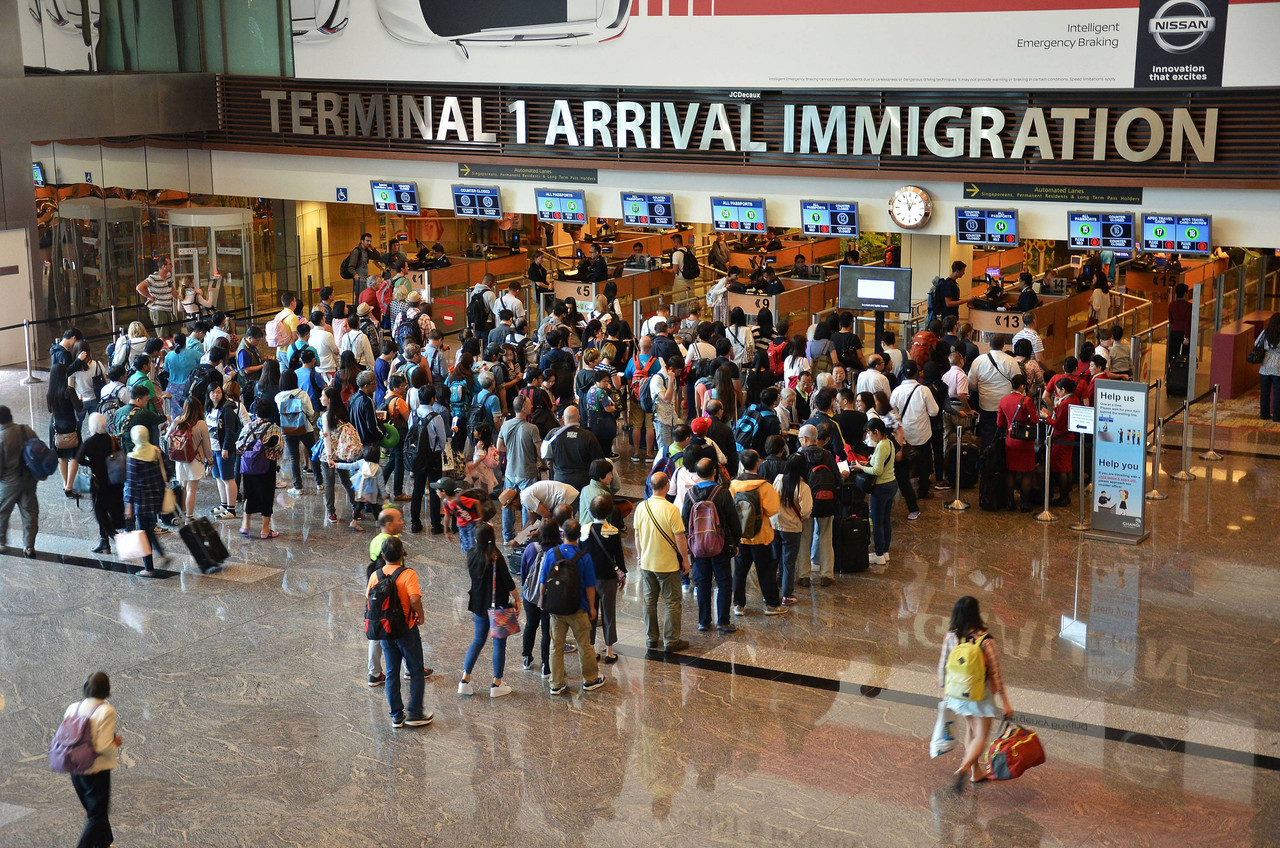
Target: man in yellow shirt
{"points": [[664, 555], [756, 501]]}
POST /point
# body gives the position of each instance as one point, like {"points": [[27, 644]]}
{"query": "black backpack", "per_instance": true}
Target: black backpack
{"points": [[346, 269], [562, 590], [480, 414], [418, 439], [383, 615], [689, 268], [478, 313]]}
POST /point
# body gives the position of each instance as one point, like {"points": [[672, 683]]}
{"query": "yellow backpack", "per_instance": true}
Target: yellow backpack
{"points": [[966, 674]]}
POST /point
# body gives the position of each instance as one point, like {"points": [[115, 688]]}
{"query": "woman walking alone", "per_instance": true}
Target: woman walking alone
{"points": [[93, 787], [967, 627], [491, 588]]}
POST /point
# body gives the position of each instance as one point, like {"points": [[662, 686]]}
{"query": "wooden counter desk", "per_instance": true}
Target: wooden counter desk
{"points": [[1227, 366]]}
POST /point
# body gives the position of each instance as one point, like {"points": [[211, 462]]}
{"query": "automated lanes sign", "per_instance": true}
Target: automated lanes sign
{"points": [[528, 173], [1051, 193]]}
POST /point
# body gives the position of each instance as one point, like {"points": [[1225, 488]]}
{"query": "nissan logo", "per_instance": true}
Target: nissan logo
{"points": [[1180, 26]]}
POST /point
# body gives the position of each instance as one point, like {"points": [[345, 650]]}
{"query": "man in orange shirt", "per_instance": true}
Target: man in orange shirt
{"points": [[407, 646]]}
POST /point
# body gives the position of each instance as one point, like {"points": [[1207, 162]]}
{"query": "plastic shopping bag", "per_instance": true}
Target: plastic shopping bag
{"points": [[132, 544], [943, 741]]}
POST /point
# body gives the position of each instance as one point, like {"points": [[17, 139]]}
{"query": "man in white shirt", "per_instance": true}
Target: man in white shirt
{"points": [[872, 379], [542, 497], [991, 376], [914, 405], [1029, 333], [956, 381], [325, 347], [682, 285], [510, 300], [648, 328], [889, 347], [218, 331]]}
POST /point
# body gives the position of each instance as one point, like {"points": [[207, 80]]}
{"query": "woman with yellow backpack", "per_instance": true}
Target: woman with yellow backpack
{"points": [[969, 675]]}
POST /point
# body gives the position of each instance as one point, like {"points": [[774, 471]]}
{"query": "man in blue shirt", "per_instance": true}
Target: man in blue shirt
{"points": [[309, 379], [580, 621]]}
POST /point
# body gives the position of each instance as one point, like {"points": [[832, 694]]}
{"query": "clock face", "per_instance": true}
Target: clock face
{"points": [[910, 207]]}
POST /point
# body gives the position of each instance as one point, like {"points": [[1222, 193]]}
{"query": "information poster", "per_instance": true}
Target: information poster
{"points": [[1120, 458]]}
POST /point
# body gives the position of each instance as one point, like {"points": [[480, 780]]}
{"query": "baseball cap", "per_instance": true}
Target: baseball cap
{"points": [[448, 485]]}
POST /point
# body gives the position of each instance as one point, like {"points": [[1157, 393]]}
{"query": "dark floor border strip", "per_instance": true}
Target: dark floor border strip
{"points": [[1252, 454], [809, 681], [88, 562]]}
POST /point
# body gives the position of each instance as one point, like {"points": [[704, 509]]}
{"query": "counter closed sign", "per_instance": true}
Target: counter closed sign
{"points": [[1119, 457]]}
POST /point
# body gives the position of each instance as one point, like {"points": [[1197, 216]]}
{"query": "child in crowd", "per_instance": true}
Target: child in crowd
{"points": [[460, 509], [367, 482]]}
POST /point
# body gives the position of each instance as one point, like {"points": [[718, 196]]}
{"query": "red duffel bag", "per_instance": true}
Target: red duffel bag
{"points": [[1014, 751]]}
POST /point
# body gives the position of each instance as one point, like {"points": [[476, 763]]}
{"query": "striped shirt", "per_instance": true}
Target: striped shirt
{"points": [[161, 292], [995, 683]]}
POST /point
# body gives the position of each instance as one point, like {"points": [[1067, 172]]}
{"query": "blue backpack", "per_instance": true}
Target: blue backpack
{"points": [[746, 432], [459, 397], [293, 420], [40, 459]]}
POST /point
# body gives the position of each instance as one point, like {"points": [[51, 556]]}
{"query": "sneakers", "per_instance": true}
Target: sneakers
{"points": [[941, 487], [737, 610], [464, 688], [293, 490], [912, 516], [419, 721], [637, 459], [397, 723], [876, 559], [788, 601], [526, 664], [688, 587], [570, 648], [499, 691], [331, 518], [593, 685], [778, 610], [377, 680], [355, 525], [546, 672], [226, 514], [558, 690]]}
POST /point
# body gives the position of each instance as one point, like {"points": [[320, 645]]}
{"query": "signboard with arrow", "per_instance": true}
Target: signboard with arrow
{"points": [[1051, 193]]}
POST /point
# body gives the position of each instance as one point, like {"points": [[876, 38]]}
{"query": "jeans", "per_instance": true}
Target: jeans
{"points": [[581, 627], [477, 645], [816, 553], [409, 649], [468, 536], [343, 478], [295, 443], [394, 467], [509, 514], [704, 569], [766, 574], [786, 547], [606, 612], [1270, 396], [21, 494], [94, 792], [662, 437], [536, 619], [430, 468], [666, 584], [881, 513]]}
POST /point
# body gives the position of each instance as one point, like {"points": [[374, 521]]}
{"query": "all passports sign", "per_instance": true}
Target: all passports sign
{"points": [[1119, 461]]}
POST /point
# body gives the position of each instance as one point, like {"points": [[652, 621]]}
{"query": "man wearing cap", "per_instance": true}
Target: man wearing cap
{"points": [[518, 439]]}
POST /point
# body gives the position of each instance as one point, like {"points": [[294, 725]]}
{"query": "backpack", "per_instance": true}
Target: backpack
{"points": [[480, 414], [540, 412], [182, 447], [72, 751], [562, 367], [40, 459], [407, 331], [705, 534], [648, 403], [478, 313], [278, 333], [254, 460], [459, 397], [821, 363], [747, 504], [383, 614], [346, 269], [293, 419], [347, 446], [418, 438], [933, 301], [668, 464], [531, 590], [966, 677], [640, 375], [109, 406], [746, 431], [826, 494], [689, 268], [562, 590], [777, 353]]}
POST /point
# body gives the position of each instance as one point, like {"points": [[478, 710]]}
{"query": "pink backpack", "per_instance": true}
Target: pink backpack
{"points": [[706, 538]]}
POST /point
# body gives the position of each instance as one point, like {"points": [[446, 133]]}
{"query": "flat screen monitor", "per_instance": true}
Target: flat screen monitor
{"points": [[477, 202], [560, 205], [737, 214], [829, 218], [1189, 234], [1100, 231], [871, 288], [648, 211], [400, 198], [1077, 261], [987, 226], [37, 174]]}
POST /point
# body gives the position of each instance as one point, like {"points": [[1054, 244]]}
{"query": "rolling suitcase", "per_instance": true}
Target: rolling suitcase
{"points": [[851, 541], [970, 461], [991, 490], [204, 543], [1175, 376]]}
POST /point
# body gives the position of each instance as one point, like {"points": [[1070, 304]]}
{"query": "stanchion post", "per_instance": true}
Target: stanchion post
{"points": [[1212, 455], [1155, 411], [30, 379], [1046, 515], [957, 504], [1083, 523], [1184, 474], [1155, 494]]}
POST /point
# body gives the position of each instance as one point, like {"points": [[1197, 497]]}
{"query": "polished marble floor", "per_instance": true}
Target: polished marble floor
{"points": [[1150, 673]]}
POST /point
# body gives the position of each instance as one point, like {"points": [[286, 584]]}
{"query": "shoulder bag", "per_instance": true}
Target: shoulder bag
{"points": [[665, 535], [1256, 354], [503, 621], [1023, 431]]}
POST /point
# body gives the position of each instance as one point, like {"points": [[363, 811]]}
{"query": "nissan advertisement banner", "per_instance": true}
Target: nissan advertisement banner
{"points": [[753, 45]]}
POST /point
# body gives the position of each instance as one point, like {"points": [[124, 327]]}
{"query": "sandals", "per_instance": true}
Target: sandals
{"points": [[270, 534]]}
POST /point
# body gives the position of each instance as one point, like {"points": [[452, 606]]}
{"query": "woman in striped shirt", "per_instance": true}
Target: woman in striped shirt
{"points": [[967, 626]]}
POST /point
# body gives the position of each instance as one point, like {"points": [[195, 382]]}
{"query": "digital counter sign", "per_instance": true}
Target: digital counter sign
{"points": [[558, 205], [1177, 234], [650, 211], [737, 215], [828, 218], [987, 226], [477, 202], [1100, 231], [400, 198]]}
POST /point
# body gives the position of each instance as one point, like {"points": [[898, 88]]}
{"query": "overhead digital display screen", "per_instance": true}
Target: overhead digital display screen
{"points": [[987, 226], [1177, 233], [650, 211], [874, 288], [828, 218], [558, 205], [736, 215], [401, 198], [37, 174], [1100, 231], [477, 201]]}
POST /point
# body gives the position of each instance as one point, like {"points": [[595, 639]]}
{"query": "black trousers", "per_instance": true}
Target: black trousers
{"points": [[428, 471], [108, 508], [94, 791]]}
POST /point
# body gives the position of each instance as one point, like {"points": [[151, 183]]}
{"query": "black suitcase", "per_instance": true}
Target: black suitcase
{"points": [[204, 543], [970, 461], [513, 562], [1175, 376], [851, 541], [992, 495]]}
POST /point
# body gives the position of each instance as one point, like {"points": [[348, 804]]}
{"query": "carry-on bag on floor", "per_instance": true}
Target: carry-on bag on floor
{"points": [[970, 461], [1014, 751], [851, 541], [1175, 376], [204, 543]]}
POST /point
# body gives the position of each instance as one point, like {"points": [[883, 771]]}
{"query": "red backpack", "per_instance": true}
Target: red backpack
{"points": [[777, 356], [706, 538], [182, 447], [641, 373]]}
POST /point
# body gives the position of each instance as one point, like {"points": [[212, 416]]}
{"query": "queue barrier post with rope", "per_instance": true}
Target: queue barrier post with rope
{"points": [[1212, 455], [1155, 494], [958, 505], [1046, 514], [31, 378]]}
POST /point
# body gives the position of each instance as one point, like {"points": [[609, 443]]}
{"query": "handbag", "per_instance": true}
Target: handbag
{"points": [[1023, 431], [83, 482], [503, 621], [132, 544], [1014, 751], [63, 441], [1256, 355], [117, 464]]}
